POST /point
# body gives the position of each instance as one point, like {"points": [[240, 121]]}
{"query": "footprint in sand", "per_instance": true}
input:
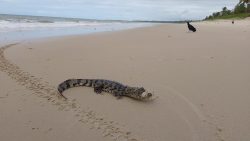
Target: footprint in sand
{"points": [[6, 95], [48, 59], [48, 130], [180, 59], [2, 97], [33, 128]]}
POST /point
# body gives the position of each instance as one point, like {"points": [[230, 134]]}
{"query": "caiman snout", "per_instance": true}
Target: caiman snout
{"points": [[149, 94]]}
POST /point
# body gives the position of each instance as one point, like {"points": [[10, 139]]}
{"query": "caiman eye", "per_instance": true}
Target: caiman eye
{"points": [[141, 89], [149, 95]]}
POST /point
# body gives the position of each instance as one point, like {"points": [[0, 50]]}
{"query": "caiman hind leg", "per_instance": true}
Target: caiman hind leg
{"points": [[98, 88]]}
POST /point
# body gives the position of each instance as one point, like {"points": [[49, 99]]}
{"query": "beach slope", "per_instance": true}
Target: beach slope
{"points": [[202, 81]]}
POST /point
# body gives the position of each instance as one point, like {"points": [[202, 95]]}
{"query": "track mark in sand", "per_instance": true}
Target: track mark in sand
{"points": [[5, 96], [43, 90], [213, 121], [208, 119], [188, 111]]}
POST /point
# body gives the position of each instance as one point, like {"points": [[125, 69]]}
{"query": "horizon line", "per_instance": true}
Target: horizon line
{"points": [[75, 18]]}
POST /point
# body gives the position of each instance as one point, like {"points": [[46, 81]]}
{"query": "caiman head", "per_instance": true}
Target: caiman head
{"points": [[139, 93]]}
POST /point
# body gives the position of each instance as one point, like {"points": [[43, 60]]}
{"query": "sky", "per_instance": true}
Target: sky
{"points": [[163, 10]]}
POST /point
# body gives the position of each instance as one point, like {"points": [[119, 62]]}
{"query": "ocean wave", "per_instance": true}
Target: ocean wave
{"points": [[19, 25]]}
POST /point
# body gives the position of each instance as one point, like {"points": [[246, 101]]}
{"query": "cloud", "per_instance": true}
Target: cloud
{"points": [[118, 9], [8, 1]]}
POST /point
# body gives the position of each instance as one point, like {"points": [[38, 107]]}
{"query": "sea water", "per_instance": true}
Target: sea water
{"points": [[16, 28]]}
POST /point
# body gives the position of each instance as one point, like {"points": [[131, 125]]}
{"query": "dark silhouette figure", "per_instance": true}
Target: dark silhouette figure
{"points": [[190, 27], [232, 21]]}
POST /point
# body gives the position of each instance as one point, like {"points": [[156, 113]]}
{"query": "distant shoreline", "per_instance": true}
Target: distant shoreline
{"points": [[92, 20]]}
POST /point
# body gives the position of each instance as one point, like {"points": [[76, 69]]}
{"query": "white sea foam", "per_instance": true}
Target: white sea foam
{"points": [[7, 26]]}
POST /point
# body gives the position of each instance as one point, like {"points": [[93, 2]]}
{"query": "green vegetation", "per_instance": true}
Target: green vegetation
{"points": [[241, 11], [231, 16]]}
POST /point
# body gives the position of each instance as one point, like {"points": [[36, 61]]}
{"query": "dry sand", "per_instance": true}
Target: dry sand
{"points": [[202, 80]]}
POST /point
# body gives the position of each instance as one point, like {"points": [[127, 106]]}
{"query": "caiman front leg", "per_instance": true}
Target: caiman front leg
{"points": [[98, 89], [118, 94]]}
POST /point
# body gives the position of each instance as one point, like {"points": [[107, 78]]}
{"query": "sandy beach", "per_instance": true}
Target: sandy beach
{"points": [[202, 81]]}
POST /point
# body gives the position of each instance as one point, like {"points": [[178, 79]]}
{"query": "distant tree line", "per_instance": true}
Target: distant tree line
{"points": [[241, 9]]}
